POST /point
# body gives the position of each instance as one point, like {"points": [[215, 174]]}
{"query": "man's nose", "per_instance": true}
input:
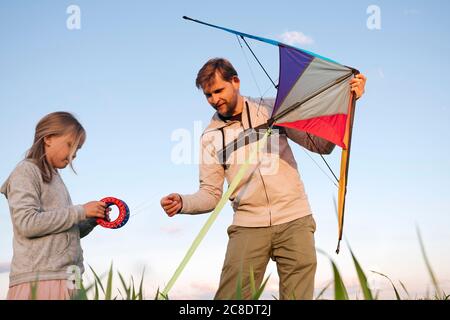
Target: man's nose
{"points": [[213, 99]]}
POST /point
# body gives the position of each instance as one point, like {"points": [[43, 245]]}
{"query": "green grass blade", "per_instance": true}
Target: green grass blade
{"points": [[377, 294], [81, 294], [133, 294], [340, 292], [323, 290], [96, 295], [161, 296], [120, 293], [430, 270], [34, 286], [404, 289], [108, 294], [124, 285], [397, 295], [362, 277], [131, 291], [239, 287], [141, 294], [260, 291], [98, 279]]}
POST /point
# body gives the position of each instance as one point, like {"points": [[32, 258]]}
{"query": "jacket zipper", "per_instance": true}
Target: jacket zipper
{"points": [[264, 184]]}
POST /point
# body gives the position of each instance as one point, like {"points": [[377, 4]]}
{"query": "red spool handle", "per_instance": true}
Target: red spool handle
{"points": [[122, 213]]}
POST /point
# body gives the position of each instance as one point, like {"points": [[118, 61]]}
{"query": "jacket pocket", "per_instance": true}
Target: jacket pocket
{"points": [[62, 247], [49, 251], [60, 244], [70, 255]]}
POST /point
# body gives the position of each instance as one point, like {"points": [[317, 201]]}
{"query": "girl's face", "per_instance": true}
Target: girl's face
{"points": [[58, 150]]}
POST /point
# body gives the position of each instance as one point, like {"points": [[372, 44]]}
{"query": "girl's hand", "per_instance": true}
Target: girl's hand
{"points": [[172, 204], [107, 218], [95, 209]]}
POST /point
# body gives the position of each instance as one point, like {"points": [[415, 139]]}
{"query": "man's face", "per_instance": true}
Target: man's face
{"points": [[223, 95]]}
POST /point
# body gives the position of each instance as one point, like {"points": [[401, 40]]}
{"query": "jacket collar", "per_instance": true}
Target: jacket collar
{"points": [[218, 123]]}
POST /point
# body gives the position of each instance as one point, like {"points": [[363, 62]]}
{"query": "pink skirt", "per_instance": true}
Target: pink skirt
{"points": [[44, 290]]}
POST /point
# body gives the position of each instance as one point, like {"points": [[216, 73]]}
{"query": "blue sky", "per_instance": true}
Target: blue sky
{"points": [[128, 75]]}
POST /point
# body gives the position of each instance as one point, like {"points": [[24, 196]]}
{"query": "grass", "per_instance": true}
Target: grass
{"points": [[105, 291], [102, 289], [340, 291]]}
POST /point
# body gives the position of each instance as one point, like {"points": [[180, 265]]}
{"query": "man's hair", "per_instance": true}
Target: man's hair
{"points": [[207, 73]]}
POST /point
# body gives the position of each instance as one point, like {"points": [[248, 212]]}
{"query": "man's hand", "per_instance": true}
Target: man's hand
{"points": [[357, 85], [172, 204]]}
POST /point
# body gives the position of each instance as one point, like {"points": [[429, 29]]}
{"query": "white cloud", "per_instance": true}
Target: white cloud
{"points": [[296, 37]]}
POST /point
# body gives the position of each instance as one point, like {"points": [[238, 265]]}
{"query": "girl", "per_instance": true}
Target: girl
{"points": [[47, 227]]}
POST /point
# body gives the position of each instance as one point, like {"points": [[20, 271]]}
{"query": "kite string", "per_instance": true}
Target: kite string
{"points": [[233, 185], [249, 67], [329, 168], [320, 168], [248, 46], [262, 95]]}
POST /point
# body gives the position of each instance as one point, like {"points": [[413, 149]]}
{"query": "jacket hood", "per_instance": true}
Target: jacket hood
{"points": [[4, 188]]}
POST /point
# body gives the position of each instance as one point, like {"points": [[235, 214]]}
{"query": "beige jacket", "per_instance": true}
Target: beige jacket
{"points": [[271, 191]]}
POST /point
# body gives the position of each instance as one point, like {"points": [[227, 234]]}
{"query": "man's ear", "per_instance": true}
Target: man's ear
{"points": [[236, 82]]}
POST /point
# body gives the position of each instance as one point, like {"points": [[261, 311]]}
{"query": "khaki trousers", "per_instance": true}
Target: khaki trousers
{"points": [[290, 245]]}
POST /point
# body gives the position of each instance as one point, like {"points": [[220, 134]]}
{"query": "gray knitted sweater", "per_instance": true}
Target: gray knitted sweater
{"points": [[47, 227]]}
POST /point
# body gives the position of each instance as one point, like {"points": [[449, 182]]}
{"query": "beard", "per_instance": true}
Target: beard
{"points": [[226, 108]]}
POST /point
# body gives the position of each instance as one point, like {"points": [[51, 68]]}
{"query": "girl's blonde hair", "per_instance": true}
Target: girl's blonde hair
{"points": [[54, 124]]}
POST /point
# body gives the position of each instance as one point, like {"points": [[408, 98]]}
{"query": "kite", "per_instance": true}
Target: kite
{"points": [[121, 220], [313, 95]]}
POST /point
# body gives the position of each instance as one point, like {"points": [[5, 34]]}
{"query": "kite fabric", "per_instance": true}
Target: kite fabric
{"points": [[314, 96]]}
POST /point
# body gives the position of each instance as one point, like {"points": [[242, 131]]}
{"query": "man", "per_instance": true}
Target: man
{"points": [[272, 217]]}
